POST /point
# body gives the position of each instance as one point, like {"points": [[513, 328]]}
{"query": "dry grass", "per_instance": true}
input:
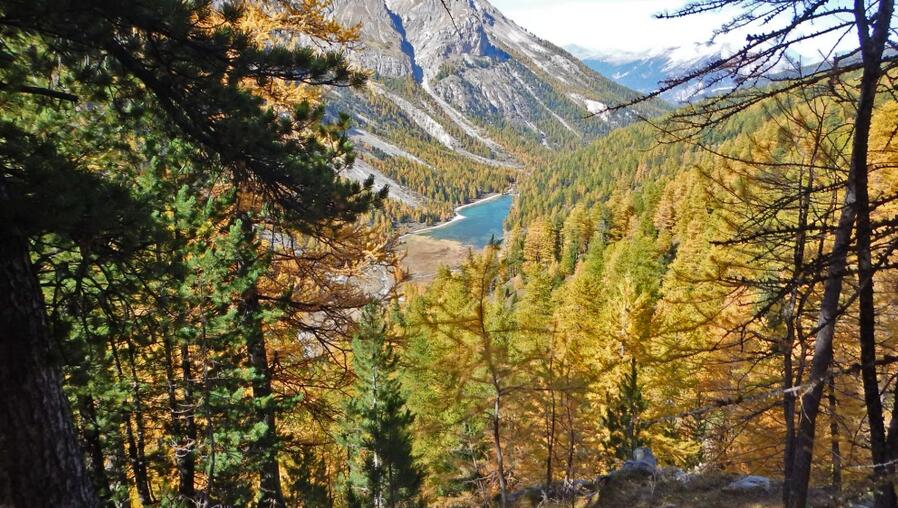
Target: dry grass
{"points": [[424, 255]]}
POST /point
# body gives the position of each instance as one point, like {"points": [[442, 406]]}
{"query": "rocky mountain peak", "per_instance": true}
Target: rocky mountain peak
{"points": [[470, 81]]}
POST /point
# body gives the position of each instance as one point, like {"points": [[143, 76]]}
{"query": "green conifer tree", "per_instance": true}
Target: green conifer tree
{"points": [[623, 416], [309, 478], [383, 470], [189, 71]]}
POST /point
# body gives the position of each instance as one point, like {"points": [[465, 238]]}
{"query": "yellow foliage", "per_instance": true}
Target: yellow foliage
{"points": [[290, 23]]}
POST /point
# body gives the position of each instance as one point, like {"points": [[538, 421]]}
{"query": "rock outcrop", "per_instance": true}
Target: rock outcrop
{"points": [[643, 462], [642, 483], [476, 63], [749, 484]]}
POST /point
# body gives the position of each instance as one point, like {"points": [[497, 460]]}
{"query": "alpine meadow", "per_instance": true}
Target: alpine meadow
{"points": [[409, 253]]}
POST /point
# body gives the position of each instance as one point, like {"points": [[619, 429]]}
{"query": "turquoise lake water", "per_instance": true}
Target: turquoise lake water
{"points": [[480, 222]]}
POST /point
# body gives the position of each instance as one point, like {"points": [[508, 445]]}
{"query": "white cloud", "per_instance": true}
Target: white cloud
{"points": [[622, 26], [612, 25]]}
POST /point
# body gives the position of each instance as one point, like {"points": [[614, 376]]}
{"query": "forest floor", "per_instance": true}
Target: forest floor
{"points": [[699, 491]]}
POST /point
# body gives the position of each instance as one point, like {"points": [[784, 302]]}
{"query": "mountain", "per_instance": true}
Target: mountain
{"points": [[645, 71], [460, 101]]}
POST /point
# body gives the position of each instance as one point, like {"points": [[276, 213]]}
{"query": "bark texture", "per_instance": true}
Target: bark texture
{"points": [[42, 462]]}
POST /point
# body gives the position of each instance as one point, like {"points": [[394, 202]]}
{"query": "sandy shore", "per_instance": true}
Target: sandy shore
{"points": [[424, 255]]}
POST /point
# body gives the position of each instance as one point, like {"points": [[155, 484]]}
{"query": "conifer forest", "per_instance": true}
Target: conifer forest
{"points": [[244, 255]]}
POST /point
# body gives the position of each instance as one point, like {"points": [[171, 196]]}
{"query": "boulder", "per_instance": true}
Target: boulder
{"points": [[643, 462], [674, 474], [749, 484]]}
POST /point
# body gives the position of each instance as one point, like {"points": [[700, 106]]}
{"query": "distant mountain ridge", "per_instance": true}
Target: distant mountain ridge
{"points": [[488, 94], [645, 71]]}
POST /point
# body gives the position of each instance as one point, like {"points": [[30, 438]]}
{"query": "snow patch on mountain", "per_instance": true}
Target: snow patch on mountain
{"points": [[436, 129], [597, 108], [422, 119], [647, 70], [467, 77], [547, 108]]}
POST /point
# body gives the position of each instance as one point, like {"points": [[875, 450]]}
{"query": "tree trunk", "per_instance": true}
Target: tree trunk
{"points": [[789, 417], [551, 419], [269, 469], [823, 354], [134, 448], [571, 437], [250, 311], [497, 445], [138, 464], [376, 491], [187, 457], [884, 493], [180, 412], [42, 461], [141, 472], [790, 317], [892, 438], [91, 435], [823, 349], [835, 452]]}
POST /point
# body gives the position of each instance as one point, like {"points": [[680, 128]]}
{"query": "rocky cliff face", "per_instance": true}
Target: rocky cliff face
{"points": [[470, 82]]}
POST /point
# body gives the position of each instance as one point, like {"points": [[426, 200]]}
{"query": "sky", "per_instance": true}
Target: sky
{"points": [[615, 26]]}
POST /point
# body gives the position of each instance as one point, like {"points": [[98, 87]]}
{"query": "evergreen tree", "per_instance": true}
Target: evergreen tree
{"points": [[383, 471], [310, 481], [623, 416], [192, 71]]}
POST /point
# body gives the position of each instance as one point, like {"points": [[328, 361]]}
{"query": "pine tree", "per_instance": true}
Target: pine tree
{"points": [[225, 98], [309, 477], [623, 416], [383, 471]]}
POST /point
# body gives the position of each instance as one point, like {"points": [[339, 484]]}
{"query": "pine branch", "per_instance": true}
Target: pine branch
{"points": [[446, 6], [46, 92]]}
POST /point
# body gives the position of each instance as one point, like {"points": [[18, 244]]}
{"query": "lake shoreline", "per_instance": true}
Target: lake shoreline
{"points": [[451, 242], [458, 216]]}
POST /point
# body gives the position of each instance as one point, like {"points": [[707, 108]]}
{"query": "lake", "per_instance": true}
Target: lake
{"points": [[476, 223]]}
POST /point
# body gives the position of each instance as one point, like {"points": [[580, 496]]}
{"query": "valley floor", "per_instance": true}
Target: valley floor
{"points": [[424, 255]]}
